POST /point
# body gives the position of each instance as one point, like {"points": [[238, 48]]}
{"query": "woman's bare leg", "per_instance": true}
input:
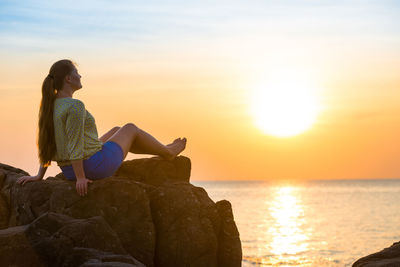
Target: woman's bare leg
{"points": [[104, 138], [132, 139], [144, 143], [138, 148]]}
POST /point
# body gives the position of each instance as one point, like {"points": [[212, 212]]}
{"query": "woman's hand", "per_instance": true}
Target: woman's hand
{"points": [[82, 185], [26, 179]]}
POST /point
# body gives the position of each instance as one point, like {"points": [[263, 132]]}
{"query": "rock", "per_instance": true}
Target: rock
{"points": [[186, 227], [156, 171], [8, 175], [54, 239], [230, 252], [147, 213], [388, 257], [120, 201], [4, 206]]}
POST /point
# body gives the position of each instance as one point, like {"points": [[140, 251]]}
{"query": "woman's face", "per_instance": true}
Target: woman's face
{"points": [[75, 79]]}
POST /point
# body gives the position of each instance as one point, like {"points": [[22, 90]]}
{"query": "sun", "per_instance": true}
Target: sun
{"points": [[284, 107]]}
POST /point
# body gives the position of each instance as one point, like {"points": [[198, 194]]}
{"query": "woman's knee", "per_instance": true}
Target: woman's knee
{"points": [[115, 129], [131, 127]]}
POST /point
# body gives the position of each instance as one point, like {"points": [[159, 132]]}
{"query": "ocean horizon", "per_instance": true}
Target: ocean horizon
{"points": [[311, 223]]}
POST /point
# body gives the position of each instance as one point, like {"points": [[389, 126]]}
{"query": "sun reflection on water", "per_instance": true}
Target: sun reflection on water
{"points": [[288, 238]]}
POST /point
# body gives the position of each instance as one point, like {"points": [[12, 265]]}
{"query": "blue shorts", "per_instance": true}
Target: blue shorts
{"points": [[102, 164]]}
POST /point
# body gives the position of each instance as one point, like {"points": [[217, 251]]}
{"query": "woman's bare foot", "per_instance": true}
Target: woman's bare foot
{"points": [[175, 148], [176, 140]]}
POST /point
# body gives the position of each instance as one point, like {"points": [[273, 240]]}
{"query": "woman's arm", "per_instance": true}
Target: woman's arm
{"points": [[26, 179], [77, 165], [81, 181], [41, 172]]}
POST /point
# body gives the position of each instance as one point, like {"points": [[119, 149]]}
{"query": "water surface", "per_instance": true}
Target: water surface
{"points": [[315, 223]]}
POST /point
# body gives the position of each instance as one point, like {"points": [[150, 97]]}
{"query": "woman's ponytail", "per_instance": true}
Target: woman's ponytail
{"points": [[46, 138]]}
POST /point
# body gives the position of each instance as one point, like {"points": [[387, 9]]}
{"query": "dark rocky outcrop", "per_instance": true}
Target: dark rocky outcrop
{"points": [[59, 240], [148, 214], [388, 257]]}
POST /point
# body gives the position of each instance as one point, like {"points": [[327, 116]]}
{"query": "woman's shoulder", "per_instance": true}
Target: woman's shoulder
{"points": [[70, 101], [70, 104], [77, 106], [77, 102]]}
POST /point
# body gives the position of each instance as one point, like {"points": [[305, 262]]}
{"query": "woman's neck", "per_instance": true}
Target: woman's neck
{"points": [[64, 93]]}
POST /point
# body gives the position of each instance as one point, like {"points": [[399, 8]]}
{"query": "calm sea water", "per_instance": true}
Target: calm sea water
{"points": [[315, 223]]}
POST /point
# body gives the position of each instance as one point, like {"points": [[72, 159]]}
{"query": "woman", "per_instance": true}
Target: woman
{"points": [[68, 134]]}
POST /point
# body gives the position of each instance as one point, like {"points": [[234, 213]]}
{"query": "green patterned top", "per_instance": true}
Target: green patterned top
{"points": [[75, 131]]}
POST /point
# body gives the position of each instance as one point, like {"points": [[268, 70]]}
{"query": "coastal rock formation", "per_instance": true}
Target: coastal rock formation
{"points": [[147, 214], [388, 257]]}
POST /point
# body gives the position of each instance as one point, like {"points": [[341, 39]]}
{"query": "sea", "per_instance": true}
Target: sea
{"points": [[311, 223]]}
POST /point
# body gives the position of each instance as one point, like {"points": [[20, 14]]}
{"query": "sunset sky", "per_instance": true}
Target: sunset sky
{"points": [[198, 69]]}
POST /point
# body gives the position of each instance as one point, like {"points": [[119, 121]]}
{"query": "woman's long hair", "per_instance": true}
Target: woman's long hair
{"points": [[54, 81]]}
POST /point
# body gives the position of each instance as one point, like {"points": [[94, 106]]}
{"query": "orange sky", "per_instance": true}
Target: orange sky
{"points": [[197, 84]]}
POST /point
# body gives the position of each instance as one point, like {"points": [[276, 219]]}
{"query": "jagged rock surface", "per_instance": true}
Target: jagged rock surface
{"points": [[388, 257], [148, 214]]}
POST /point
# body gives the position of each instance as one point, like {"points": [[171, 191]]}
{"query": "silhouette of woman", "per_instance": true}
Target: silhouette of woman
{"points": [[67, 134]]}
